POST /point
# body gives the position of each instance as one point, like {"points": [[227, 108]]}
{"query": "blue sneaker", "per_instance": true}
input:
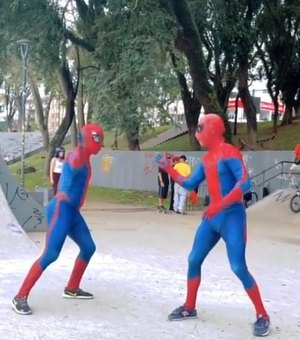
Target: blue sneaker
{"points": [[261, 326], [182, 313]]}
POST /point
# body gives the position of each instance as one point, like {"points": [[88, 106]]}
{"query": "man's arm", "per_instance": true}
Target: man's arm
{"points": [[52, 164], [193, 182], [160, 179], [195, 179], [243, 183]]}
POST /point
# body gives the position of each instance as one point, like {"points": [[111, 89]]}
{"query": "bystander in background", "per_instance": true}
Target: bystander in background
{"points": [[180, 194], [56, 167]]}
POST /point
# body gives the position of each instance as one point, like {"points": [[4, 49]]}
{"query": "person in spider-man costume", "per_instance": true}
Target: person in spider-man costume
{"points": [[64, 219], [227, 180]]}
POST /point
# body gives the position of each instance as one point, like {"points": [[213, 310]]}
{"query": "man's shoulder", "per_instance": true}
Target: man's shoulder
{"points": [[73, 158], [230, 151]]}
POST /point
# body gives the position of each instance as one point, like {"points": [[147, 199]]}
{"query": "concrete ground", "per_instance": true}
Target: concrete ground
{"points": [[138, 276]]}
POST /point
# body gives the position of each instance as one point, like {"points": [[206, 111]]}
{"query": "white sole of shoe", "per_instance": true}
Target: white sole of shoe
{"points": [[66, 296], [186, 318], [19, 311], [263, 335]]}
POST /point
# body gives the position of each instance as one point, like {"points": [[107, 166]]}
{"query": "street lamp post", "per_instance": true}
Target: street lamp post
{"points": [[24, 46]]}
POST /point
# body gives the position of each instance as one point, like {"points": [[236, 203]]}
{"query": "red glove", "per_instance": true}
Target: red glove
{"points": [[212, 210], [193, 197], [164, 163]]}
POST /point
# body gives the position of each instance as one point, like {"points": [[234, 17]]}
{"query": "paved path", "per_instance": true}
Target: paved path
{"points": [[138, 276]]}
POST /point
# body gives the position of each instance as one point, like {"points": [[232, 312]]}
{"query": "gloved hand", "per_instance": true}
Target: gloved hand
{"points": [[213, 209], [163, 162], [193, 197]]}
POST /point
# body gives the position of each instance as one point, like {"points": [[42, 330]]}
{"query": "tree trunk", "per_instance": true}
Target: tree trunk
{"points": [[191, 106], [276, 114], [90, 111], [132, 136], [297, 111], [74, 132], [115, 143], [9, 122], [188, 41], [65, 80], [192, 109], [133, 143], [236, 114], [80, 105], [289, 99], [39, 111], [249, 107], [288, 115], [18, 99]]}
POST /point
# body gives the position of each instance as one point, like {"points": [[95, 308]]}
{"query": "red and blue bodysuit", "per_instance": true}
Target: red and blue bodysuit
{"points": [[63, 212], [227, 180]]}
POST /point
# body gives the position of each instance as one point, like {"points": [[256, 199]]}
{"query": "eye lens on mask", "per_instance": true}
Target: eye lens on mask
{"points": [[96, 137], [200, 128]]}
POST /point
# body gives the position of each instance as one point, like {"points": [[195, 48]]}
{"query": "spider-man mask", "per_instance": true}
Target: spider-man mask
{"points": [[210, 130], [91, 138]]}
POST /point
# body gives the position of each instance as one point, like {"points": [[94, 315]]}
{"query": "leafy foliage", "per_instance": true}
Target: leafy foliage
{"points": [[135, 80]]}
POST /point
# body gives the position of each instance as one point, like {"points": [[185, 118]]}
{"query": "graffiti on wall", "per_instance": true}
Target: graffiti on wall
{"points": [[27, 211], [247, 161], [150, 166]]}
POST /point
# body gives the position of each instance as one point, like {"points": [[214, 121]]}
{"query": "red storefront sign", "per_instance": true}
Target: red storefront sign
{"points": [[266, 106]]}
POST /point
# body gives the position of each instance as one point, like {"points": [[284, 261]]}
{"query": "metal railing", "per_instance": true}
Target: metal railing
{"points": [[264, 178], [259, 181]]}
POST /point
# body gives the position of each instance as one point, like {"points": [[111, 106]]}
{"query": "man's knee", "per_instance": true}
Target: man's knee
{"points": [[50, 256], [240, 270], [88, 251], [195, 261]]}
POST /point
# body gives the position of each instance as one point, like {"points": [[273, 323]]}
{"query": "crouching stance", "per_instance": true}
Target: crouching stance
{"points": [[64, 219], [225, 218]]}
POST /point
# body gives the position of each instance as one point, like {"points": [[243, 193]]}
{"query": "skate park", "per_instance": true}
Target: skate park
{"points": [[138, 275]]}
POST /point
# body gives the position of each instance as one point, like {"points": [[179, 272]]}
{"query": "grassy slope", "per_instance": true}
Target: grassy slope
{"points": [[286, 138], [108, 194], [122, 143]]}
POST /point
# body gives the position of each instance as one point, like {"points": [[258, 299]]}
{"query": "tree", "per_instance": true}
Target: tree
{"points": [[11, 104], [278, 46], [188, 41], [133, 71], [190, 101], [41, 110], [243, 15], [42, 22]]}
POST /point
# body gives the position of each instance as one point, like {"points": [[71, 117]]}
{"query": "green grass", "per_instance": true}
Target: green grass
{"points": [[133, 197], [33, 179], [38, 178], [180, 143], [286, 138], [122, 142]]}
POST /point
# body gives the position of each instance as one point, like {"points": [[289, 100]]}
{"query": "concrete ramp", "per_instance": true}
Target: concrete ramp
{"points": [[27, 211], [14, 240], [275, 209]]}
